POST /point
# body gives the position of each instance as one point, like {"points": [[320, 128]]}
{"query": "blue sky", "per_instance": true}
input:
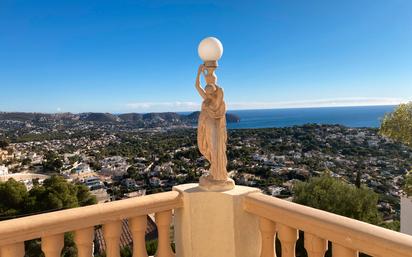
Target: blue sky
{"points": [[141, 56]]}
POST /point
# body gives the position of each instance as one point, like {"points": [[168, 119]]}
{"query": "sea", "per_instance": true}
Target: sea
{"points": [[354, 116]]}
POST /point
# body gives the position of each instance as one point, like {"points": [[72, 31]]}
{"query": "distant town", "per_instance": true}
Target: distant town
{"points": [[129, 155]]}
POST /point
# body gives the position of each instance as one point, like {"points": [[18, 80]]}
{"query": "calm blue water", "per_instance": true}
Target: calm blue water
{"points": [[364, 116]]}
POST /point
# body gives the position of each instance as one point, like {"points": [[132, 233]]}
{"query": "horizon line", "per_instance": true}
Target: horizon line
{"points": [[228, 110]]}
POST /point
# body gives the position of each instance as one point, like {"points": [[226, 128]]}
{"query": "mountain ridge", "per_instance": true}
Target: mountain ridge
{"points": [[108, 117]]}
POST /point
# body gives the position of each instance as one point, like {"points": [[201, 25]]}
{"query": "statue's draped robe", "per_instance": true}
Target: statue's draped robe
{"points": [[212, 134]]}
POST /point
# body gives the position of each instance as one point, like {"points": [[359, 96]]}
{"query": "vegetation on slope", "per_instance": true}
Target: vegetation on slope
{"points": [[397, 125], [55, 194]]}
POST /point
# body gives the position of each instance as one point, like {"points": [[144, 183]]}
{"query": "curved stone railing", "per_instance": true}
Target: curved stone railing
{"points": [[348, 236], [50, 227], [206, 224]]}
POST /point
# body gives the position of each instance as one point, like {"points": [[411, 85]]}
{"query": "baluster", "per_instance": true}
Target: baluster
{"points": [[111, 233], [84, 242], [12, 250], [341, 251], [52, 245], [288, 237], [315, 246], [138, 227], [163, 220], [268, 232]]}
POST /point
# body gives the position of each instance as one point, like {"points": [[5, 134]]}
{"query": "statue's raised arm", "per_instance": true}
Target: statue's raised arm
{"points": [[199, 88]]}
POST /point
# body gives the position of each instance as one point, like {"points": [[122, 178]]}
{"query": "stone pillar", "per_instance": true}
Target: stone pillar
{"points": [[215, 224], [406, 215]]}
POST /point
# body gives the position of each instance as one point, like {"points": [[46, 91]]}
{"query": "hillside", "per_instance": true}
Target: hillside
{"points": [[159, 119], [194, 116]]}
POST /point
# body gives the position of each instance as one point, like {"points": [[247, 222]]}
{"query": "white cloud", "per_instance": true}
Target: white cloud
{"points": [[193, 106], [163, 106], [336, 102]]}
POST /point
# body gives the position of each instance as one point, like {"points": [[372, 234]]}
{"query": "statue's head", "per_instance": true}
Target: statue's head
{"points": [[210, 76]]}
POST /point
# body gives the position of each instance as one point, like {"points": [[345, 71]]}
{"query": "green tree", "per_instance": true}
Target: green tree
{"points": [[151, 247], [394, 225], [74, 159], [336, 196], [26, 161], [408, 183], [69, 249], [397, 125], [52, 162], [132, 171], [4, 143], [84, 197], [13, 197], [126, 252], [55, 193]]}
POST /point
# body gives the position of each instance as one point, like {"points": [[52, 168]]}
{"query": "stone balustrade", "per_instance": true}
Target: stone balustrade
{"points": [[50, 227], [348, 236], [235, 223]]}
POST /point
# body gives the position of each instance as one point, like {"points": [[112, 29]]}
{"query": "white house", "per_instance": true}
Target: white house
{"points": [[83, 168], [3, 170]]}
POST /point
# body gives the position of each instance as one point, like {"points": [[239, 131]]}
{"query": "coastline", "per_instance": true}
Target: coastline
{"points": [[349, 116]]}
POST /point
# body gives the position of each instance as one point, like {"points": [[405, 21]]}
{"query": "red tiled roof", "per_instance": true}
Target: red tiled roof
{"points": [[126, 238]]}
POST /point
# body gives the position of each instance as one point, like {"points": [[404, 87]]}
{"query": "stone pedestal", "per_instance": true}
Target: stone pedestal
{"points": [[207, 183], [214, 224]]}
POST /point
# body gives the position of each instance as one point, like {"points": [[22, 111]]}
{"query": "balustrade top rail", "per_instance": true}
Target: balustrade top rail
{"points": [[21, 229], [366, 238]]}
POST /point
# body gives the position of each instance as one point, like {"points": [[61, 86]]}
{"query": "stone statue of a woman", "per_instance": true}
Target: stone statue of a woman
{"points": [[211, 131]]}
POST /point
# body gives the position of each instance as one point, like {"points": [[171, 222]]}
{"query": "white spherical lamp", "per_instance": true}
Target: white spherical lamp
{"points": [[210, 50]]}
